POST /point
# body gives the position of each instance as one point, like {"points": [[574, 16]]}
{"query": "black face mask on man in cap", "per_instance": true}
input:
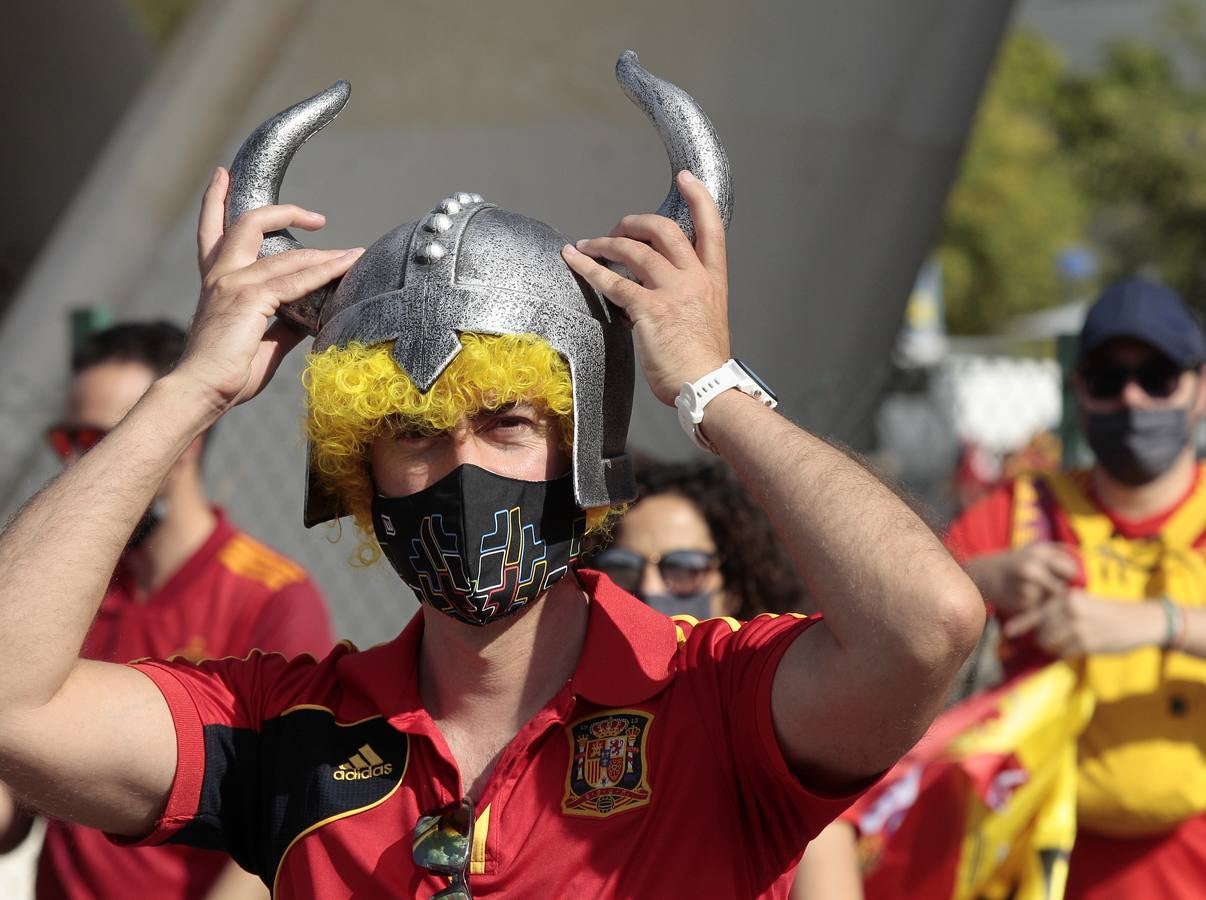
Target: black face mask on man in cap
{"points": [[1137, 446]]}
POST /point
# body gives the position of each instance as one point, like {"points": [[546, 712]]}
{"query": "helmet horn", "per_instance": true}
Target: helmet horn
{"points": [[691, 141], [259, 168]]}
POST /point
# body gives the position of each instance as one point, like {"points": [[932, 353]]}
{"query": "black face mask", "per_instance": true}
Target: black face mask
{"points": [[478, 546], [698, 605], [1137, 446], [150, 520]]}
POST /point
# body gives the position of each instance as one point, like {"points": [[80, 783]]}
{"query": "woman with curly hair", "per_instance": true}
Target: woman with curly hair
{"points": [[695, 544]]}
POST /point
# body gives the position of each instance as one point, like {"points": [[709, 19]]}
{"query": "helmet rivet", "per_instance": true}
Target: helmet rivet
{"points": [[437, 223], [450, 206], [431, 251]]}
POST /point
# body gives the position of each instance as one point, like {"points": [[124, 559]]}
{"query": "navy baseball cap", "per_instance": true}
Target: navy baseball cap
{"points": [[1149, 312]]}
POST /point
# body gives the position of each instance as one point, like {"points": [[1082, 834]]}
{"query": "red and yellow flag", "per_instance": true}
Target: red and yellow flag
{"points": [[985, 805]]}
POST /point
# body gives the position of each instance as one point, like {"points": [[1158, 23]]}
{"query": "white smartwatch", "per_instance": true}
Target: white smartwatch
{"points": [[694, 398]]}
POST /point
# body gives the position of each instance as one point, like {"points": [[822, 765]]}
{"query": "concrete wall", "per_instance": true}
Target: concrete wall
{"points": [[69, 69]]}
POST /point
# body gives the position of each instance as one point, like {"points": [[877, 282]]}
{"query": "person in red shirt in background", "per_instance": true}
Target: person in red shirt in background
{"points": [[1105, 565], [189, 584]]}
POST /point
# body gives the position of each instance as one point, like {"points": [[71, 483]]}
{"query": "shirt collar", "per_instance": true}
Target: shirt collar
{"points": [[628, 656], [630, 649]]}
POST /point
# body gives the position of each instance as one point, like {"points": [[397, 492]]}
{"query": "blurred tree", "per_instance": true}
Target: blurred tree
{"points": [[1136, 131], [1114, 159], [1016, 204]]}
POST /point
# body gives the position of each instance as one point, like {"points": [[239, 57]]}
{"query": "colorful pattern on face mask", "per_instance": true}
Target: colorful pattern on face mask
{"points": [[477, 546]]}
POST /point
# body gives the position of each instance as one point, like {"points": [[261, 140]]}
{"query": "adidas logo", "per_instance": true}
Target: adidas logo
{"points": [[364, 763]]}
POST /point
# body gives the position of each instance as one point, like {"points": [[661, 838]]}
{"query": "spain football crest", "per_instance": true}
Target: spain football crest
{"points": [[607, 771]]}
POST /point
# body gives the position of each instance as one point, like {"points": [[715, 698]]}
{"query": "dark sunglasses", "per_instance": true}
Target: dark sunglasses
{"points": [[69, 440], [682, 571], [1158, 378], [442, 843]]}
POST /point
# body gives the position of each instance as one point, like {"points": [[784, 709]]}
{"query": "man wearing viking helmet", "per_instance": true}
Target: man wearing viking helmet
{"points": [[469, 393]]}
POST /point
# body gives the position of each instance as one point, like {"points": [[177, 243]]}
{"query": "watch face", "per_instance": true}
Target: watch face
{"points": [[758, 380]]}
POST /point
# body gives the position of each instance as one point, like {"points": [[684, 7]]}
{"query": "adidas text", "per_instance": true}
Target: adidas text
{"points": [[361, 774]]}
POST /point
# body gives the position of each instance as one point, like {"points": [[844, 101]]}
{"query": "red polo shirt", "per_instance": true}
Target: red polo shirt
{"points": [[231, 596], [655, 771]]}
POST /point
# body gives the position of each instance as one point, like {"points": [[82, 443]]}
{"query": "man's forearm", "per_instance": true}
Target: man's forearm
{"points": [[1148, 625], [57, 555], [877, 572]]}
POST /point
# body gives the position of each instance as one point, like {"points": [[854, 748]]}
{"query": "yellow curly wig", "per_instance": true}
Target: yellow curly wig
{"points": [[355, 392]]}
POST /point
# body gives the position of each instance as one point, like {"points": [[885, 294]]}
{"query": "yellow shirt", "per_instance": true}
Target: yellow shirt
{"points": [[1141, 765]]}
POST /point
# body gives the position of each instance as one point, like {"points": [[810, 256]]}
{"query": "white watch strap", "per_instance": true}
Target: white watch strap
{"points": [[693, 399]]}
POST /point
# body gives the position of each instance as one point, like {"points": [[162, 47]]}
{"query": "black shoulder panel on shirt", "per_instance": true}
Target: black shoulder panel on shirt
{"points": [[261, 792]]}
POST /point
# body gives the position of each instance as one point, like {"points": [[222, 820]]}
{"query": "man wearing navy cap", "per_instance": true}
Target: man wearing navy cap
{"points": [[1106, 565], [1140, 334]]}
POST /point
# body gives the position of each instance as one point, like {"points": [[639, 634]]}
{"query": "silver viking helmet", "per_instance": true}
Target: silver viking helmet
{"points": [[470, 266]]}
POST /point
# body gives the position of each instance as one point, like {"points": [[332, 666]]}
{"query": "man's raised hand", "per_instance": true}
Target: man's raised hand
{"points": [[679, 311], [232, 349]]}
